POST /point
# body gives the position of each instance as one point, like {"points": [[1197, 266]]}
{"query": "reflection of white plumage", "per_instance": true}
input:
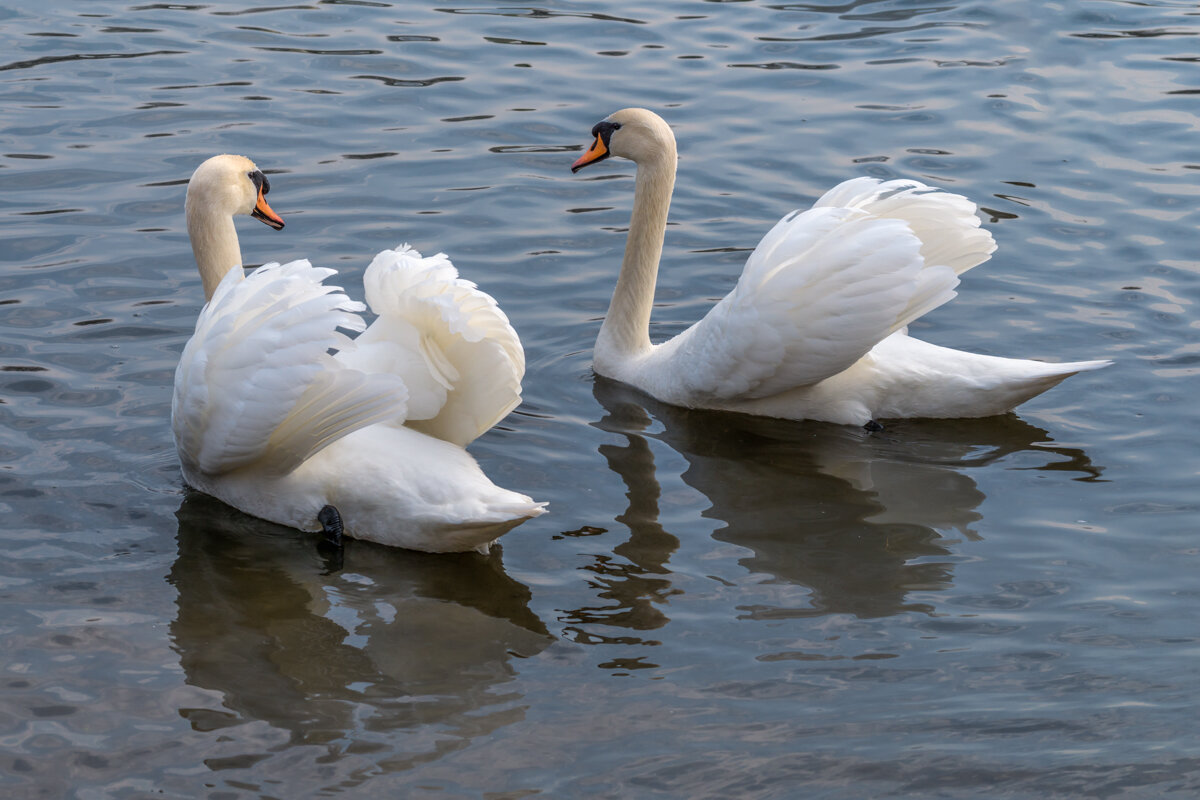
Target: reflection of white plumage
{"points": [[279, 414], [816, 326]]}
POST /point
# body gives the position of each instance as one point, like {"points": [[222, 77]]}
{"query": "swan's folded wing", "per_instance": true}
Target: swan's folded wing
{"points": [[256, 384], [454, 348], [819, 291]]}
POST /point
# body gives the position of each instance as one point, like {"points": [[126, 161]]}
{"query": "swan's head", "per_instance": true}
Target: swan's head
{"points": [[633, 133], [231, 185]]}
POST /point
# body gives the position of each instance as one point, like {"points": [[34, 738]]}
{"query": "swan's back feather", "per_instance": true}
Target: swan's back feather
{"points": [[256, 384], [455, 349], [818, 292], [822, 288]]}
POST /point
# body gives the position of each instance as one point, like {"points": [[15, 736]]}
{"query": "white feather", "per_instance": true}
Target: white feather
{"points": [[815, 327], [279, 413], [472, 358]]}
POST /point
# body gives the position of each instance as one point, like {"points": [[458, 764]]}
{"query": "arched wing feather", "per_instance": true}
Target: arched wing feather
{"points": [[256, 384], [947, 224], [455, 349], [825, 285]]}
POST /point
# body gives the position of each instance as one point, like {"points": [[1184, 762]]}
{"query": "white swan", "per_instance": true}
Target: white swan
{"points": [[815, 328], [270, 419]]}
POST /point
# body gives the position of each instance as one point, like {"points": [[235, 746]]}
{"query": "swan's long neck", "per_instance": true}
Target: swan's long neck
{"points": [[214, 243], [626, 329]]}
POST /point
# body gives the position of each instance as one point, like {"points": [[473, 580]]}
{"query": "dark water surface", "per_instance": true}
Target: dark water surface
{"points": [[717, 607]]}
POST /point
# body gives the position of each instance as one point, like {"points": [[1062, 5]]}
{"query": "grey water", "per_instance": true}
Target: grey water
{"points": [[716, 606]]}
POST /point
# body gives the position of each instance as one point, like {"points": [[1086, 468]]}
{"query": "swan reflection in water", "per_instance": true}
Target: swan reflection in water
{"points": [[349, 659], [860, 519]]}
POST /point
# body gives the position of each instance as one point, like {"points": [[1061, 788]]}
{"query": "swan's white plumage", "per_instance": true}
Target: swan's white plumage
{"points": [[815, 327], [945, 223], [278, 412], [463, 358], [842, 283], [255, 385]]}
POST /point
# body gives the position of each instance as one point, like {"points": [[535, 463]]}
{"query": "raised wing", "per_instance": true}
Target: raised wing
{"points": [[451, 344], [825, 285], [946, 223], [256, 384]]}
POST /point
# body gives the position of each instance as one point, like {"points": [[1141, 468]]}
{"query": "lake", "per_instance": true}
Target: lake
{"points": [[717, 606]]}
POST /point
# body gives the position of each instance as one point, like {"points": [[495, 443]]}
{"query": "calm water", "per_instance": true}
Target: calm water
{"points": [[717, 607]]}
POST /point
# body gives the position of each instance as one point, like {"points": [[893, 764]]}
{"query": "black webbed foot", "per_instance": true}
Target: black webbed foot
{"points": [[871, 427], [331, 525], [330, 545]]}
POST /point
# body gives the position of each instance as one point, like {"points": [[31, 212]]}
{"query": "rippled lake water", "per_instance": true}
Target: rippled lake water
{"points": [[716, 607]]}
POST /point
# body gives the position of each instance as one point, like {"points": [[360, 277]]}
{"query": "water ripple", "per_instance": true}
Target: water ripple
{"points": [[45, 60], [958, 607]]}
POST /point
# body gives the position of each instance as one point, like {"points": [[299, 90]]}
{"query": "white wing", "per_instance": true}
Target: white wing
{"points": [[450, 343], [825, 285], [945, 223], [256, 384]]}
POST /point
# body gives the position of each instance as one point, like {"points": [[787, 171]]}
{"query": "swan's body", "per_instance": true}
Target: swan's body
{"points": [[816, 326], [279, 414]]}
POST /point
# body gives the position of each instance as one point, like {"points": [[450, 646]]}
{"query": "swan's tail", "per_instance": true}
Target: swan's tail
{"points": [[1074, 367], [927, 380], [1019, 380], [508, 514], [1040, 376]]}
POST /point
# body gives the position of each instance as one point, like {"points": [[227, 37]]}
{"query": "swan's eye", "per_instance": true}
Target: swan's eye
{"points": [[606, 127], [604, 130], [260, 181]]}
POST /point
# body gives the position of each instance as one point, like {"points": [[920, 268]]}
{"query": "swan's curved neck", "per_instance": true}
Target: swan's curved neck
{"points": [[626, 329], [214, 243]]}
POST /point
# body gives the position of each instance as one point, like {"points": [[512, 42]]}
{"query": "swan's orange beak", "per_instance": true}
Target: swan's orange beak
{"points": [[263, 211], [597, 152]]}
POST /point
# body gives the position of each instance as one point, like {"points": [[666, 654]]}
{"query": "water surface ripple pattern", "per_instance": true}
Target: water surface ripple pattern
{"points": [[717, 606]]}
